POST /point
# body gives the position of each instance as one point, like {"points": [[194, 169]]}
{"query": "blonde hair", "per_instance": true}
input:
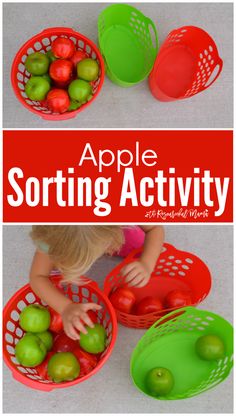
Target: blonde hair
{"points": [[74, 248]]}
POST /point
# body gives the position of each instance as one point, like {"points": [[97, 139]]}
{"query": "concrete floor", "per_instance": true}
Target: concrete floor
{"points": [[111, 389], [118, 107]]}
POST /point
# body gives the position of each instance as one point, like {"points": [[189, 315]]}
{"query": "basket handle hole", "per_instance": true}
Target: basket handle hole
{"points": [[213, 76]]}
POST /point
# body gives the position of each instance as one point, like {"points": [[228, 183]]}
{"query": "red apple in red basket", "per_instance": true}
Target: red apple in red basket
{"points": [[77, 57], [123, 299], [61, 70], [63, 343], [56, 324], [42, 369], [87, 361], [63, 48], [58, 100], [149, 305], [178, 299]]}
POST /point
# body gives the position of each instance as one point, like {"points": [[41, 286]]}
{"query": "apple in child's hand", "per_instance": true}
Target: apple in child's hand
{"points": [[149, 305], [159, 381], [63, 366], [77, 57], [123, 299], [37, 88], [178, 299], [61, 70], [58, 100], [30, 351], [63, 343], [56, 324], [95, 340], [42, 369], [87, 361], [37, 63], [35, 318], [88, 69], [79, 90], [63, 48], [47, 338], [210, 347]]}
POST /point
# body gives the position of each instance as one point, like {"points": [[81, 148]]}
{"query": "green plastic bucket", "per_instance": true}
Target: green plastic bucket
{"points": [[170, 343], [128, 42]]}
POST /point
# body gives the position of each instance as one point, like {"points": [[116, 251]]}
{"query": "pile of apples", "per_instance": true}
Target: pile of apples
{"points": [[124, 300], [54, 355], [62, 79]]}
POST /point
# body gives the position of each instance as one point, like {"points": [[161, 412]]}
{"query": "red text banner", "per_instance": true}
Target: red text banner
{"points": [[117, 176]]}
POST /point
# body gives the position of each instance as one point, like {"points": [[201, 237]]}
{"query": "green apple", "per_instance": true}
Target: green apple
{"points": [[37, 63], [79, 90], [37, 88], [63, 366], [159, 381], [74, 105], [47, 77], [30, 351], [47, 338], [95, 340], [50, 56], [35, 318], [210, 347], [88, 69]]}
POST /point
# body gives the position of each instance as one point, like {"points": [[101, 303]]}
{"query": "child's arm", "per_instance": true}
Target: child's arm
{"points": [[138, 272], [72, 313]]}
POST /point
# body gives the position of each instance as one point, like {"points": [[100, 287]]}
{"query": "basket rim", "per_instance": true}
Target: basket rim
{"points": [[49, 32], [51, 386]]}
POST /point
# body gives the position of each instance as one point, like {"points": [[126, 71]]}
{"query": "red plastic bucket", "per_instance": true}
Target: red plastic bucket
{"points": [[12, 331], [174, 270], [188, 63], [42, 43]]}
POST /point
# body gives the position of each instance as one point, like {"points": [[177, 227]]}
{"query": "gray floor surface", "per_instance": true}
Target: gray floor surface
{"points": [[118, 107], [111, 389]]}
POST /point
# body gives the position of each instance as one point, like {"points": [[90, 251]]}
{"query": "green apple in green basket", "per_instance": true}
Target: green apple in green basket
{"points": [[159, 381], [37, 63], [30, 351], [35, 318], [210, 347], [95, 340], [88, 69], [63, 366], [79, 90], [37, 88]]}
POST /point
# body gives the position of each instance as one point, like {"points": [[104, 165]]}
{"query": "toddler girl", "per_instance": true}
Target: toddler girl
{"points": [[72, 249]]}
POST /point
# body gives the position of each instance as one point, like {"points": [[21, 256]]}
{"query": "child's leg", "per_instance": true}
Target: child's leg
{"points": [[134, 238]]}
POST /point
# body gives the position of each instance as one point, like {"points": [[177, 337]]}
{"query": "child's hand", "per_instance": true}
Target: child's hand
{"points": [[137, 273], [75, 317]]}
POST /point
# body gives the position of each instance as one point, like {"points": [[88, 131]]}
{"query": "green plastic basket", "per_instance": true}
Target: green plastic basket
{"points": [[170, 343], [128, 42]]}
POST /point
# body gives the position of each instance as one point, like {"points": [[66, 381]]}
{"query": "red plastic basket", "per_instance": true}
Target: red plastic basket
{"points": [[42, 43], [12, 331], [188, 63], [175, 269]]}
